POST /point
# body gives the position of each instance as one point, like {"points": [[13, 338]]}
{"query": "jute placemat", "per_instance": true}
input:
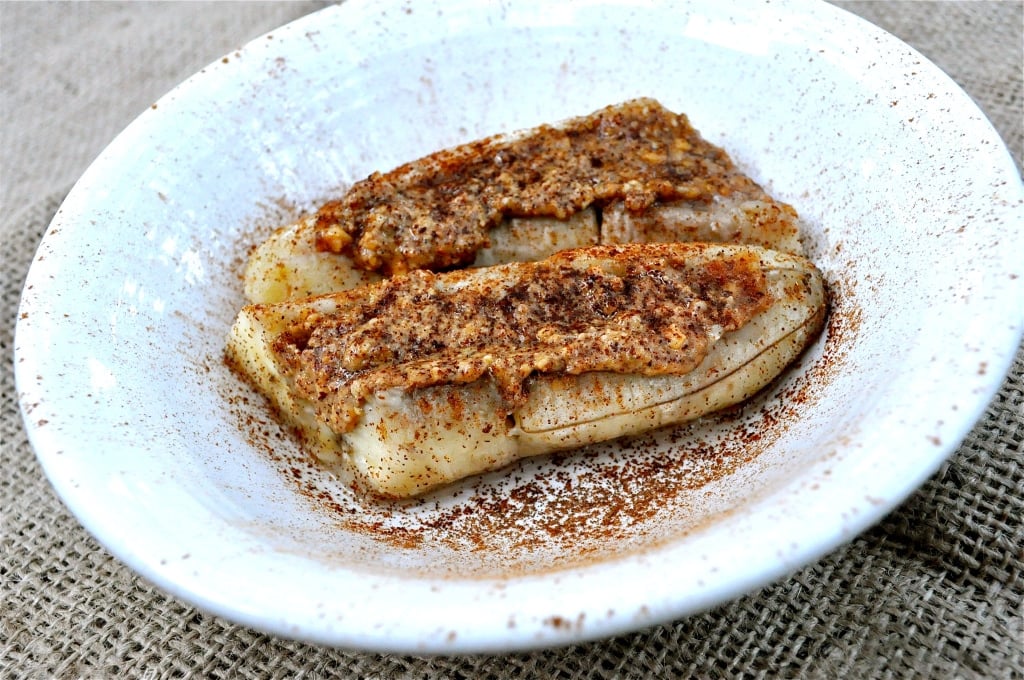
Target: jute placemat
{"points": [[934, 591]]}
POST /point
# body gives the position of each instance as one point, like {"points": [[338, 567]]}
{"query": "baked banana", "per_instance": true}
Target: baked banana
{"points": [[425, 378], [633, 172]]}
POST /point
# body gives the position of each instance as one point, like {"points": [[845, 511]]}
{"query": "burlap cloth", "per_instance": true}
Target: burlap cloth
{"points": [[935, 590]]}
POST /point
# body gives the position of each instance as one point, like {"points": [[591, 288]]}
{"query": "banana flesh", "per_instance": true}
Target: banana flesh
{"points": [[725, 219], [409, 441], [289, 266]]}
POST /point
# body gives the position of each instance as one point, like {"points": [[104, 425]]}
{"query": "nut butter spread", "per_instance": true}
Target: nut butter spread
{"points": [[624, 309], [436, 212]]}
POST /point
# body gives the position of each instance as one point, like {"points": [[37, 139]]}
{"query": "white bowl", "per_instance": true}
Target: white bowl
{"points": [[913, 210]]}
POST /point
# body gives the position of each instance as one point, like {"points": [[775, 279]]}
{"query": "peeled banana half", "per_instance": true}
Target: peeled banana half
{"points": [[406, 384], [632, 172]]}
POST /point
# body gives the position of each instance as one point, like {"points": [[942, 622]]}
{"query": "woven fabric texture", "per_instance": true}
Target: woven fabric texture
{"points": [[935, 590]]}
